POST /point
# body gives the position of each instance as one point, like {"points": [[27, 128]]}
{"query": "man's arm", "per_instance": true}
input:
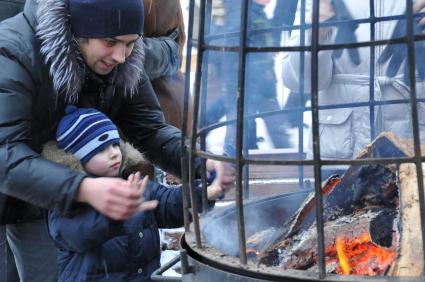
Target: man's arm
{"points": [[142, 122], [25, 175], [162, 55]]}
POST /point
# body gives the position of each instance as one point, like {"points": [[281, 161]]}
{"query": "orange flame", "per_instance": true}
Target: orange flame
{"points": [[343, 260], [361, 256]]}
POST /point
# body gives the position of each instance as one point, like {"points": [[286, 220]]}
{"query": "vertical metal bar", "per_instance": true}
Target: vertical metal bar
{"points": [[242, 45], [245, 181], [203, 101], [183, 147], [372, 71], [316, 137], [239, 132], [245, 167], [414, 110], [301, 92], [203, 181], [197, 87]]}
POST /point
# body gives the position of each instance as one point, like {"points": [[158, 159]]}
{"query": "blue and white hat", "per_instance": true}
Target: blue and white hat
{"points": [[84, 132]]}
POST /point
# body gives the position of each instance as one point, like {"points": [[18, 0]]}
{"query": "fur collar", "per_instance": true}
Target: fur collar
{"points": [[60, 52], [130, 156]]}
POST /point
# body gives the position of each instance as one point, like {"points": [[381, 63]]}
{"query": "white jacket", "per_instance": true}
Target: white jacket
{"points": [[344, 132]]}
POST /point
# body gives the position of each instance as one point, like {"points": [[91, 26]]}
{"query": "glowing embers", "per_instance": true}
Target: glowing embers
{"points": [[364, 201], [371, 213], [361, 256]]}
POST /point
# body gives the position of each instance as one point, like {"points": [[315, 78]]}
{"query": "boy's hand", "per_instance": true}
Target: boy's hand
{"points": [[135, 183], [214, 191]]}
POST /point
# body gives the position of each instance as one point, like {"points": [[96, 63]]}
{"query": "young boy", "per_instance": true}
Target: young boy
{"points": [[91, 246]]}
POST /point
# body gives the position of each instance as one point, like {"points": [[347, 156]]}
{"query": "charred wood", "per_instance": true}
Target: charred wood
{"points": [[300, 251]]}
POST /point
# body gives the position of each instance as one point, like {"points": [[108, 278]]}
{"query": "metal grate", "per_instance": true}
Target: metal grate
{"points": [[242, 160]]}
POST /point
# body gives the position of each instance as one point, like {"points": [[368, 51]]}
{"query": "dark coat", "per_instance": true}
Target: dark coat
{"points": [[95, 248], [10, 8], [42, 71]]}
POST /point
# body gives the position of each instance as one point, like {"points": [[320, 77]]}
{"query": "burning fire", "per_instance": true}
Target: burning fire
{"points": [[361, 256]]}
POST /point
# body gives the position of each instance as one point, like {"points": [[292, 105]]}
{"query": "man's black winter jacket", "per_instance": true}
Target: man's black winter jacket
{"points": [[40, 73]]}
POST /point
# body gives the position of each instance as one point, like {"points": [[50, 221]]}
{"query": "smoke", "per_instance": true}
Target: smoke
{"points": [[220, 227]]}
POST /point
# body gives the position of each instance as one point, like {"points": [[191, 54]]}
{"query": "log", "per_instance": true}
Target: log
{"points": [[302, 252], [387, 144], [410, 256], [350, 209]]}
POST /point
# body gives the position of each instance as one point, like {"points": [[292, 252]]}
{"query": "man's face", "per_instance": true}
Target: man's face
{"points": [[105, 163], [102, 55]]}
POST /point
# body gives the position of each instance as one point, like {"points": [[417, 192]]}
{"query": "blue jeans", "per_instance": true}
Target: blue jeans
{"points": [[34, 252]]}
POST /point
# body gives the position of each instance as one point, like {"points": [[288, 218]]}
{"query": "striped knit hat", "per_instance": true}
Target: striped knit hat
{"points": [[84, 132]]}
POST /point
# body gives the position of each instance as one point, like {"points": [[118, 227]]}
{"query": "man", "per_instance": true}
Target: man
{"points": [[162, 59], [88, 53]]}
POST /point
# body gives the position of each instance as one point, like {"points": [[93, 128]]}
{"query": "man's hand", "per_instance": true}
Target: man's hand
{"points": [[224, 180], [114, 197]]}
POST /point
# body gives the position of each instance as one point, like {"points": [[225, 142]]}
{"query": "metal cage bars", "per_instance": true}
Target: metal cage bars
{"points": [[191, 150]]}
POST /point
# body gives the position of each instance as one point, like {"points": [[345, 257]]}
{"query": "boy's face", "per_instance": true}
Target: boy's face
{"points": [[102, 55], [106, 163]]}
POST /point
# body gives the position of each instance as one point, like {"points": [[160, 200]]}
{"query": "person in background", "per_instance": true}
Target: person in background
{"points": [[260, 76], [284, 16], [344, 75], [60, 52], [90, 245]]}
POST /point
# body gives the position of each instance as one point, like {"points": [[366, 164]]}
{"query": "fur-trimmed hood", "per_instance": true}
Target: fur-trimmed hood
{"points": [[60, 52], [130, 157]]}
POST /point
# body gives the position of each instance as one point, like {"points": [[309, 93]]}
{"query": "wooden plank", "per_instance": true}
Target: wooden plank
{"points": [[410, 259]]}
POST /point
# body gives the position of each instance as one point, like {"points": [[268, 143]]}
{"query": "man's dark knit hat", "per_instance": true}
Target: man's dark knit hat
{"points": [[84, 132], [106, 18]]}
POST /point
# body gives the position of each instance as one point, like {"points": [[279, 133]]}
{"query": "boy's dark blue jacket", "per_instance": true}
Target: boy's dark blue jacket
{"points": [[96, 248], [93, 247]]}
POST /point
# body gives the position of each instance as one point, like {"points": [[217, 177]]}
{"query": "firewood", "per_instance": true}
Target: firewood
{"points": [[409, 261], [301, 219], [303, 253], [377, 199]]}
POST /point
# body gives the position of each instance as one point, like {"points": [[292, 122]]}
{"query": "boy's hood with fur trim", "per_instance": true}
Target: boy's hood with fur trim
{"points": [[130, 156], [60, 52]]}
